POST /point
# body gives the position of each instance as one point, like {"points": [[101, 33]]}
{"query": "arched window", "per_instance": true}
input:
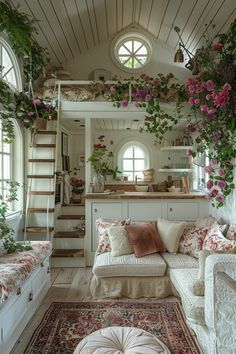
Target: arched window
{"points": [[131, 51], [9, 154], [133, 158]]}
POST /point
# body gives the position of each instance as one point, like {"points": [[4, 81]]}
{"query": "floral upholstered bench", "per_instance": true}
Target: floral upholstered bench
{"points": [[24, 281]]}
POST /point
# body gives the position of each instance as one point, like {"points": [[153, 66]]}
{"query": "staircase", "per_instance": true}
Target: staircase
{"points": [[40, 203], [69, 243]]}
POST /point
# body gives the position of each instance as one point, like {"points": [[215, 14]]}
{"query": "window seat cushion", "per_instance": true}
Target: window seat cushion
{"points": [[16, 267], [40, 250]]}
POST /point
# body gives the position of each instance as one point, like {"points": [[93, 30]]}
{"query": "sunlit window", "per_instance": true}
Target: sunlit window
{"points": [[133, 159], [9, 153], [132, 51]]}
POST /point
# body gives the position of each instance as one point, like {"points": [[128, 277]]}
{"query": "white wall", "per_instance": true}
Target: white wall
{"points": [[100, 58]]}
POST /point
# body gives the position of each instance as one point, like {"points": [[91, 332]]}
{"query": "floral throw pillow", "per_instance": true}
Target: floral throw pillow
{"points": [[215, 241], [102, 226], [231, 233], [192, 240]]}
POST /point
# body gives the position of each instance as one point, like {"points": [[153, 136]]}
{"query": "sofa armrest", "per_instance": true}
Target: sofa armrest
{"points": [[220, 300]]}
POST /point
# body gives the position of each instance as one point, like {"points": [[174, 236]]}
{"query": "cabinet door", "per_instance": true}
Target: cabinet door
{"points": [[114, 210], [142, 210], [182, 210]]}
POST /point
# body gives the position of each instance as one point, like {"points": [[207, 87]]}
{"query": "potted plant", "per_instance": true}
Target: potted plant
{"points": [[101, 161], [77, 188], [34, 112]]}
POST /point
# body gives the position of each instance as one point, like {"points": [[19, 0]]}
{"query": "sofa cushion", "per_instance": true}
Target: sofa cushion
{"points": [[192, 240], [102, 226], [145, 239], [179, 260], [128, 265], [215, 241], [119, 241], [170, 233], [205, 221], [182, 280]]}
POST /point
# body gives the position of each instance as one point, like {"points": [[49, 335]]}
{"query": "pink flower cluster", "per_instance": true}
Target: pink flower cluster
{"points": [[204, 96], [216, 187]]}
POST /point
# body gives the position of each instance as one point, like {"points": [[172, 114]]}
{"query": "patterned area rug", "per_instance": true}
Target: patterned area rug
{"points": [[66, 323]]}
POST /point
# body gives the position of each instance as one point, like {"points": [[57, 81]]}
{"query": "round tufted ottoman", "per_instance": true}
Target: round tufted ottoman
{"points": [[121, 340]]}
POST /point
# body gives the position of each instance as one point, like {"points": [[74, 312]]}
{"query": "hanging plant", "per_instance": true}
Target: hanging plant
{"points": [[212, 97], [6, 231], [20, 29], [148, 93]]}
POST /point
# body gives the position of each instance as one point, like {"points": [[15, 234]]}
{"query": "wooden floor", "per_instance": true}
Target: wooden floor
{"points": [[68, 284]]}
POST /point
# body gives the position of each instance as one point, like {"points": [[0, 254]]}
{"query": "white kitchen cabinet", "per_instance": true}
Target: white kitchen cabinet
{"points": [[145, 210]]}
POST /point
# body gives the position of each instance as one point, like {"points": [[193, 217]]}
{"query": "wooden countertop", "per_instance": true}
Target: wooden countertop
{"points": [[146, 195]]}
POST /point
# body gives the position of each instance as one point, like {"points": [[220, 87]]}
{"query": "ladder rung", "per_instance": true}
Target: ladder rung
{"points": [[40, 176], [41, 160], [48, 132], [40, 210], [41, 193], [45, 145], [38, 229]]}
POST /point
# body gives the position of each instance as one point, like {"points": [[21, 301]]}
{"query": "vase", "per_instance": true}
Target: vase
{"points": [[98, 183], [76, 197], [40, 123]]}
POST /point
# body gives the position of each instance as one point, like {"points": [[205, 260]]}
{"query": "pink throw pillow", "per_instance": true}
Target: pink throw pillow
{"points": [[145, 239], [192, 240], [215, 241]]}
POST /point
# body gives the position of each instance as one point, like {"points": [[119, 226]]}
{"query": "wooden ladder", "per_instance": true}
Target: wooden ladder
{"points": [[41, 186]]}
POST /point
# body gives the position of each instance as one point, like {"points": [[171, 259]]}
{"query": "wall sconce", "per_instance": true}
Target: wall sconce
{"points": [[179, 55]]}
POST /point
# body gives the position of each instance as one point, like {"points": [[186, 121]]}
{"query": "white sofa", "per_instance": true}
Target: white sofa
{"points": [[212, 317]]}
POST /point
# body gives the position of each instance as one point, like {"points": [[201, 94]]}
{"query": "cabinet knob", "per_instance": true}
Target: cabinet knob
{"points": [[171, 209], [95, 210], [30, 297]]}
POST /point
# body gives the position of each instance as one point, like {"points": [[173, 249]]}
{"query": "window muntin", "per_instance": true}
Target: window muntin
{"points": [[133, 159], [133, 54]]}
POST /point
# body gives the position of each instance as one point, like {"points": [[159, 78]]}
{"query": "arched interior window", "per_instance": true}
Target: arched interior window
{"points": [[133, 158], [10, 154]]}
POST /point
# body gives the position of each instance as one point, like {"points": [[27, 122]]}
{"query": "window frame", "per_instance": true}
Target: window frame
{"points": [[132, 36], [124, 148]]}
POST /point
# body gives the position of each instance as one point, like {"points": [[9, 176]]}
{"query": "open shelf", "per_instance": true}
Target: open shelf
{"points": [[175, 170], [176, 148]]}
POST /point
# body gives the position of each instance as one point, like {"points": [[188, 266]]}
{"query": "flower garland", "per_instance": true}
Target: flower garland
{"points": [[148, 93]]}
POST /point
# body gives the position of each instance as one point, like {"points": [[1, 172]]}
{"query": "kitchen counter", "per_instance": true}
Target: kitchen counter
{"points": [[146, 195]]}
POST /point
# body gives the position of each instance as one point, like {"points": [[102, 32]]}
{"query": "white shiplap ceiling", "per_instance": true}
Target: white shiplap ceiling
{"points": [[69, 28]]}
